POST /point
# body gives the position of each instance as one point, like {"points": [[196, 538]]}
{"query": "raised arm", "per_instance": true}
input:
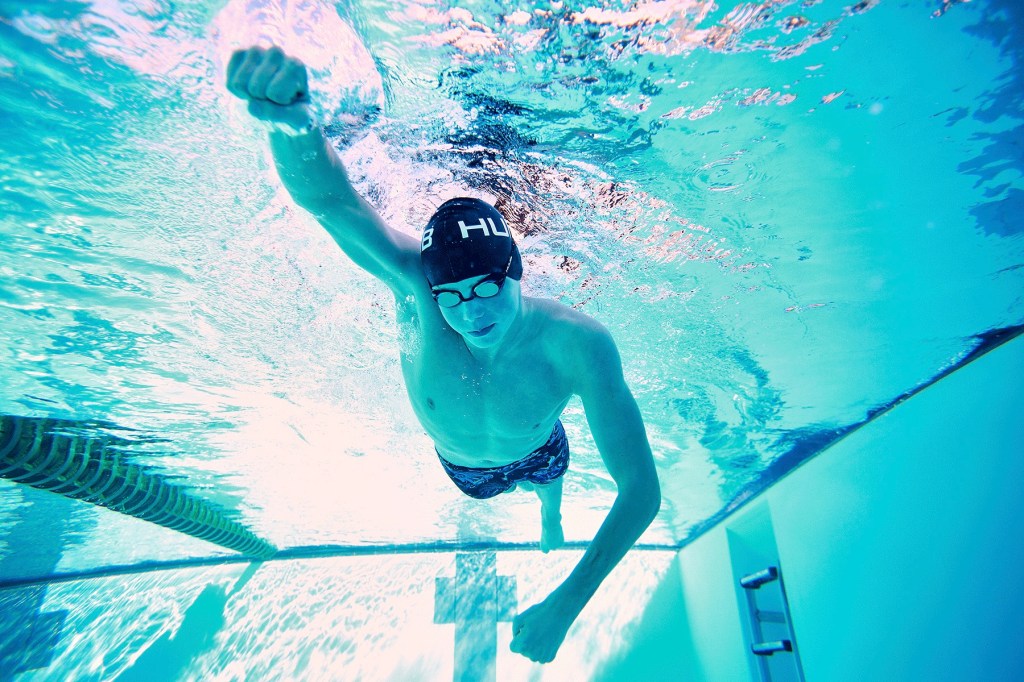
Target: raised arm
{"points": [[276, 88]]}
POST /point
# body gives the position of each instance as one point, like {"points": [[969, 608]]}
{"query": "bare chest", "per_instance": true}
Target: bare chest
{"points": [[482, 415]]}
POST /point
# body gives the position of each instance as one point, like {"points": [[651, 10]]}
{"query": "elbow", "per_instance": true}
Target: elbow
{"points": [[646, 497], [652, 494], [654, 499]]}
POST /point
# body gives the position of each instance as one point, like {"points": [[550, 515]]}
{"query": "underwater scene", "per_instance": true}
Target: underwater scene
{"points": [[791, 215]]}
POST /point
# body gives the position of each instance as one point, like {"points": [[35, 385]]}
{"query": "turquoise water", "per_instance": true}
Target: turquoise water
{"points": [[788, 214]]}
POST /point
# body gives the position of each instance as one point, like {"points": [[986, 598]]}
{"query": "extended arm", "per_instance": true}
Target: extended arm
{"points": [[618, 430], [275, 87]]}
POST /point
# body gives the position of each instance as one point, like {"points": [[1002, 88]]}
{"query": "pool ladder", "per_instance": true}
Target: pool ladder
{"points": [[776, 621], [54, 455]]}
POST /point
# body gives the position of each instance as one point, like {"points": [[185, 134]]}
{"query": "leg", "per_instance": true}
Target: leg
{"points": [[542, 472], [550, 494]]}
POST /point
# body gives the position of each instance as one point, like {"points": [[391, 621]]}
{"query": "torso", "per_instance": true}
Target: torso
{"points": [[484, 414]]}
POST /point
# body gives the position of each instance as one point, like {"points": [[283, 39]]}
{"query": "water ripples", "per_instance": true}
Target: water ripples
{"points": [[743, 173], [623, 168]]}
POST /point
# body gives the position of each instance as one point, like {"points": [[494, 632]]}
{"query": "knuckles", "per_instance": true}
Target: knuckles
{"points": [[266, 73]]}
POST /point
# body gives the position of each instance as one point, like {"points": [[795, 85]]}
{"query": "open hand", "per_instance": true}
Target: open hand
{"points": [[275, 85]]}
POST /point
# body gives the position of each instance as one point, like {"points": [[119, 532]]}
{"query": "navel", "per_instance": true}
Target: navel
{"points": [[430, 404]]}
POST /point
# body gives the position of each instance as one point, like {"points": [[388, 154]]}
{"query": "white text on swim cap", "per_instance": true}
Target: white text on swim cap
{"points": [[428, 239], [493, 232]]}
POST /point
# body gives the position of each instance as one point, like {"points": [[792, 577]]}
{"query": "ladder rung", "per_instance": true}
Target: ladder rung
{"points": [[769, 648], [755, 580]]}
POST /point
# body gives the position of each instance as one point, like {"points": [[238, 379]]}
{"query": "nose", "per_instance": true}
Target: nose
{"points": [[471, 310]]}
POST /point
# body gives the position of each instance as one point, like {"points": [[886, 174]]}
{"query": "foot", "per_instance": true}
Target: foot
{"points": [[551, 536]]}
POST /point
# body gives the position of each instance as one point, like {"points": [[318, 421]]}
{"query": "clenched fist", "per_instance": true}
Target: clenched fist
{"points": [[275, 85]]}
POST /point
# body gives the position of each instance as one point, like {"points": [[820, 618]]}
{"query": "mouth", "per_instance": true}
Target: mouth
{"points": [[482, 332]]}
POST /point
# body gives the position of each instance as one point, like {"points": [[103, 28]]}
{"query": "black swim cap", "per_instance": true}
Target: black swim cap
{"points": [[467, 238]]}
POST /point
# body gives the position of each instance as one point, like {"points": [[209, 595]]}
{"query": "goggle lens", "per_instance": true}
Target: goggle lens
{"points": [[485, 289], [447, 299]]}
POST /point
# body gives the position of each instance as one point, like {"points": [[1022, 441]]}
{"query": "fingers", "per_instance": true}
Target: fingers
{"points": [[516, 646], [264, 72], [240, 69], [537, 652], [530, 642], [288, 84], [259, 74]]}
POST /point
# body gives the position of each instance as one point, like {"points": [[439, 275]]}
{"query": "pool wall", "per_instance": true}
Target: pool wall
{"points": [[901, 550]]}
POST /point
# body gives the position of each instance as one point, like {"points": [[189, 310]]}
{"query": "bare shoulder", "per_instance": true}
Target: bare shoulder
{"points": [[564, 323], [576, 341]]}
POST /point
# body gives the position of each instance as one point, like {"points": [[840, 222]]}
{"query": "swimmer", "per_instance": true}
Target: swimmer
{"points": [[490, 370]]}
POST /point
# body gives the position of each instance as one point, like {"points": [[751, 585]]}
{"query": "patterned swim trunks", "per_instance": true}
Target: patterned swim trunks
{"points": [[543, 465]]}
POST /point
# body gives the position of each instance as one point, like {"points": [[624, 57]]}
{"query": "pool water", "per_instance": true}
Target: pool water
{"points": [[789, 215]]}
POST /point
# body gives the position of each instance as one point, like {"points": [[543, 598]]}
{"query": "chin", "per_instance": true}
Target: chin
{"points": [[491, 339], [479, 342]]}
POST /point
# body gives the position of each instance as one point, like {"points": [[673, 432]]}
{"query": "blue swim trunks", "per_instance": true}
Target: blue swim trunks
{"points": [[543, 465]]}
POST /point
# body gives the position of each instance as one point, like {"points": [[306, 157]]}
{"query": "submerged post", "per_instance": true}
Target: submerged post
{"points": [[476, 599]]}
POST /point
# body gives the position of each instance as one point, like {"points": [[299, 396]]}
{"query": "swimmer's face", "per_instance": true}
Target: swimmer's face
{"points": [[482, 322]]}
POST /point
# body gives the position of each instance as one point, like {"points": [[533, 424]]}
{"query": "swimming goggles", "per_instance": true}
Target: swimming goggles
{"points": [[449, 298]]}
